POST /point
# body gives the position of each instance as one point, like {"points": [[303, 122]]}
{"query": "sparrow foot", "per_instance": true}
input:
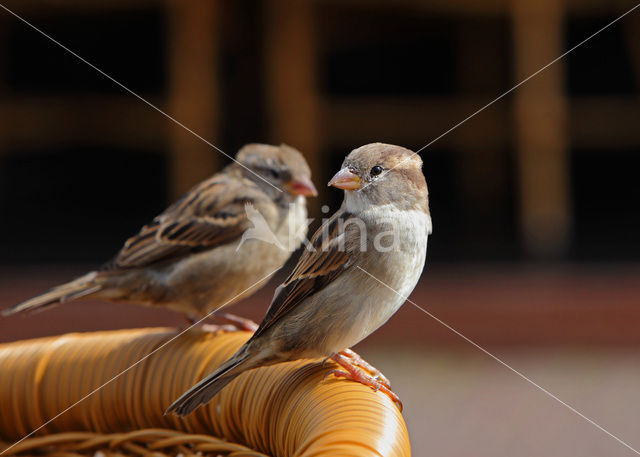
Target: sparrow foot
{"points": [[358, 361], [240, 323], [358, 374]]}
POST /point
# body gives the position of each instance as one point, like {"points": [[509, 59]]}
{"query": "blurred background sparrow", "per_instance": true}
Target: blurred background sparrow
{"points": [[348, 285], [189, 258]]}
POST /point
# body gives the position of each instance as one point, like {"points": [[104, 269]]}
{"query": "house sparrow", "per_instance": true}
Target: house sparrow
{"points": [[189, 258], [332, 299]]}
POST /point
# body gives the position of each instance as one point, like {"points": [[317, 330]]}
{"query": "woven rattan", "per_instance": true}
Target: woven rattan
{"points": [[284, 410]]}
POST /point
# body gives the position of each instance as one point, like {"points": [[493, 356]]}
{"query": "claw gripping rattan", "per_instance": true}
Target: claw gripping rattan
{"points": [[282, 410]]}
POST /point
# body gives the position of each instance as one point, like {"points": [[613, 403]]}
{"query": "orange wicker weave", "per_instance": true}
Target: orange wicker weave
{"points": [[282, 410]]}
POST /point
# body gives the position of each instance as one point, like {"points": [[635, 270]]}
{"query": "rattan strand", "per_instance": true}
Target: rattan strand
{"points": [[284, 410], [148, 443]]}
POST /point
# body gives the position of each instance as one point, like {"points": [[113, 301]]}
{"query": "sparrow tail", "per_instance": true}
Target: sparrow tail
{"points": [[81, 287], [207, 388]]}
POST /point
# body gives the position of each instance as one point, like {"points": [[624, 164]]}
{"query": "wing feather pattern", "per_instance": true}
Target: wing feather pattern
{"points": [[206, 217], [315, 269]]}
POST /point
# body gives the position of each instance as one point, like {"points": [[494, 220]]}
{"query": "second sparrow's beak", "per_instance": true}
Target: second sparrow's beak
{"points": [[302, 186], [346, 180]]}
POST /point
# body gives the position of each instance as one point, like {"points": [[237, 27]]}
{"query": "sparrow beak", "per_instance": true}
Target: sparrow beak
{"points": [[346, 180], [302, 186]]}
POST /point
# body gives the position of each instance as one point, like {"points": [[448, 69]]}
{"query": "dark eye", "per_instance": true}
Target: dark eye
{"points": [[375, 171], [273, 173]]}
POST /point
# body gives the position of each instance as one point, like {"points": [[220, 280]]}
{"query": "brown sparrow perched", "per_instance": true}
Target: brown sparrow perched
{"points": [[193, 258], [332, 299]]}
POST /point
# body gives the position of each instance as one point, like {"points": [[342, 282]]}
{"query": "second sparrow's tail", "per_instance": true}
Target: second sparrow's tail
{"points": [[206, 389], [81, 287]]}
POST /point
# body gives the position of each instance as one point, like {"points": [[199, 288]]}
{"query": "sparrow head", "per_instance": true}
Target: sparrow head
{"points": [[381, 174], [282, 166]]}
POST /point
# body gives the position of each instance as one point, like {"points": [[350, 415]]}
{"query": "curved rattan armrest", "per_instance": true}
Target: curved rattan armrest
{"points": [[284, 410]]}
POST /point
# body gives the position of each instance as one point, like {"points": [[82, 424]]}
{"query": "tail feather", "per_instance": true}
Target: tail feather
{"points": [[207, 388], [81, 287]]}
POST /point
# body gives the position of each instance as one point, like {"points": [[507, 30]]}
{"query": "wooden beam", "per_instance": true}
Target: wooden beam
{"points": [[541, 125], [43, 120], [193, 93], [423, 119], [32, 122], [71, 6], [467, 7], [593, 122], [605, 122], [480, 8], [293, 102]]}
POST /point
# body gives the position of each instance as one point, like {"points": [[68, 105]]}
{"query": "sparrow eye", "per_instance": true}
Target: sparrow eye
{"points": [[274, 173], [375, 171]]}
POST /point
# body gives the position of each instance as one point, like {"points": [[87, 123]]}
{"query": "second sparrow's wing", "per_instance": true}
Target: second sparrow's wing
{"points": [[315, 269], [211, 214]]}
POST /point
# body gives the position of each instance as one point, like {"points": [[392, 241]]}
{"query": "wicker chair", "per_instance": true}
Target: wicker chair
{"points": [[284, 410]]}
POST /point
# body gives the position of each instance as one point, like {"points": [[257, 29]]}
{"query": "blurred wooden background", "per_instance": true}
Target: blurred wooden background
{"points": [[546, 173]]}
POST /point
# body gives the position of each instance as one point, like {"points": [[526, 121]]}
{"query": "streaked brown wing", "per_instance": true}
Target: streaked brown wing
{"points": [[210, 215], [315, 270]]}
